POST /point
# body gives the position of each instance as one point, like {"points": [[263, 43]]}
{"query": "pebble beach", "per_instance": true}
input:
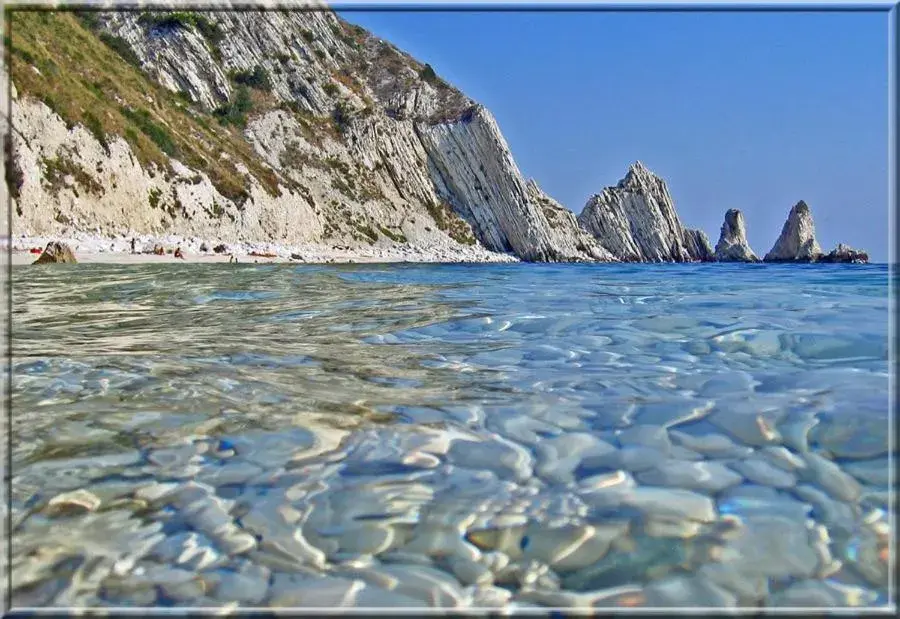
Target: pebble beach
{"points": [[92, 248]]}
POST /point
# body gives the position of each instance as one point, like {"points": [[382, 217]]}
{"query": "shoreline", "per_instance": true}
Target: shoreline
{"points": [[95, 249]]}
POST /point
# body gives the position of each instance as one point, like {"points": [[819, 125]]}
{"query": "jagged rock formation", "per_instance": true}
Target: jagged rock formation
{"points": [[573, 241], [733, 245], [281, 126], [56, 252], [697, 245], [797, 242], [481, 181], [637, 222], [845, 253]]}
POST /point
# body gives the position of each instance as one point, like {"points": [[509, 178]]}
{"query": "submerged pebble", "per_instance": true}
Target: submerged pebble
{"points": [[671, 503], [829, 476], [760, 471], [691, 591], [711, 477]]}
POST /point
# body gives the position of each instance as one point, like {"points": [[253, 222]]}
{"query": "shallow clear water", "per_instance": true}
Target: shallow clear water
{"points": [[509, 435]]}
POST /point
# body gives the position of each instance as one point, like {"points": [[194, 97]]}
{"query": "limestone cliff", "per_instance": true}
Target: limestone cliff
{"points": [[282, 126], [733, 245], [797, 242], [637, 222]]}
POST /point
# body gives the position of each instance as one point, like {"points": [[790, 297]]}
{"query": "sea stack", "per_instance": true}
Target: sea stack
{"points": [[637, 222], [797, 242], [733, 245]]}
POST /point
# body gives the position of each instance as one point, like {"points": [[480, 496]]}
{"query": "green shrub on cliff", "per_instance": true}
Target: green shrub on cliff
{"points": [[428, 74], [184, 19], [257, 78], [235, 111], [152, 130]]}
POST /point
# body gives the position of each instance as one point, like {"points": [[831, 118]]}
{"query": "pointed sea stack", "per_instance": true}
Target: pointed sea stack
{"points": [[797, 242], [733, 245], [637, 222]]}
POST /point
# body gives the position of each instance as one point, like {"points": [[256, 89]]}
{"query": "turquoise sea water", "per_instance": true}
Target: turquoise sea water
{"points": [[450, 435]]}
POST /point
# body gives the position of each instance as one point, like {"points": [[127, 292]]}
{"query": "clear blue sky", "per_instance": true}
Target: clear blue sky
{"points": [[733, 109]]}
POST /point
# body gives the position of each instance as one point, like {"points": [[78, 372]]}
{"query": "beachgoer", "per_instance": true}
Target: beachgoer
{"points": [[132, 245], [178, 253]]}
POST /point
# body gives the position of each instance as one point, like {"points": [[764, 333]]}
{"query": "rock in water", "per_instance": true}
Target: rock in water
{"points": [[797, 242], [637, 222], [574, 243], [845, 253], [733, 245], [56, 252], [697, 244]]}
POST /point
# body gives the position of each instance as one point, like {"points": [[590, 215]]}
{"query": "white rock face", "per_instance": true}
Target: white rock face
{"points": [[183, 59], [116, 194], [697, 244], [572, 240], [480, 179], [637, 222], [733, 245], [797, 242], [416, 161]]}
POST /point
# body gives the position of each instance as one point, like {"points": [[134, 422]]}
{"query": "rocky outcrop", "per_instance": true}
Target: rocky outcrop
{"points": [[697, 245], [342, 139], [56, 252], [845, 253], [637, 222], [733, 245], [797, 242], [573, 242]]}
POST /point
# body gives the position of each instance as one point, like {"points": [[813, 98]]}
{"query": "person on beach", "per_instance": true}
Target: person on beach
{"points": [[178, 253], [132, 245]]}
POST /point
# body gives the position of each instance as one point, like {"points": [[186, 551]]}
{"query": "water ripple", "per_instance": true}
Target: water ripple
{"points": [[222, 428]]}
